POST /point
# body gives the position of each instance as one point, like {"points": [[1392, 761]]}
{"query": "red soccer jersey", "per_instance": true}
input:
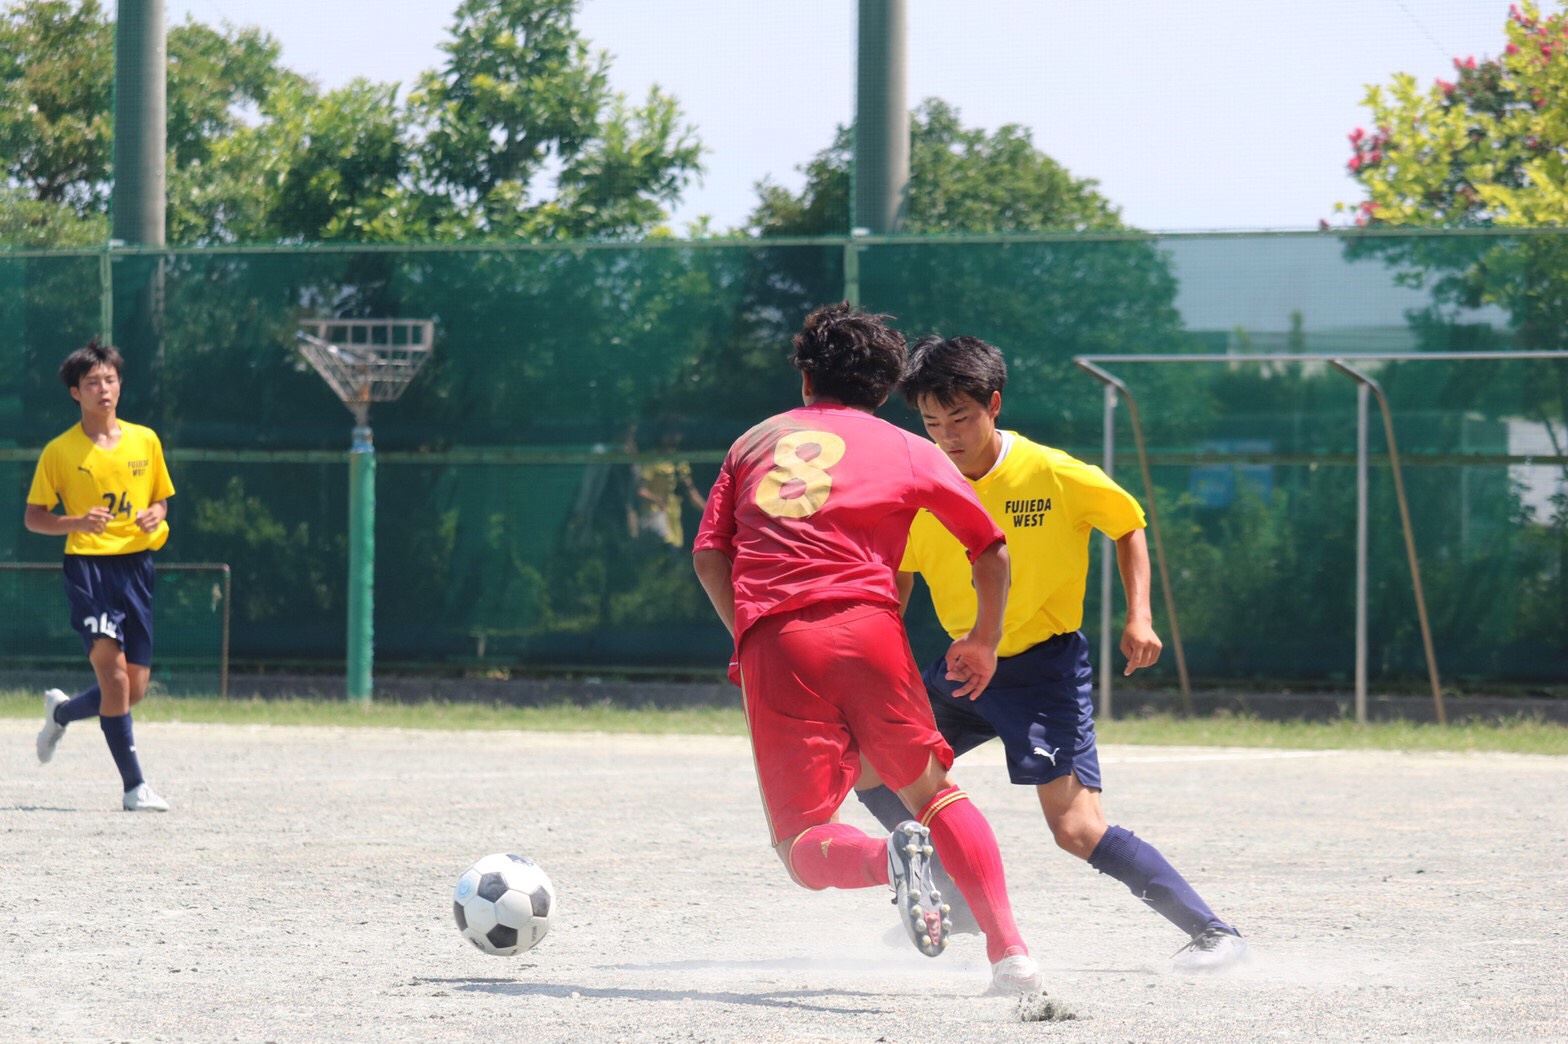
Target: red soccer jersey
{"points": [[814, 505]]}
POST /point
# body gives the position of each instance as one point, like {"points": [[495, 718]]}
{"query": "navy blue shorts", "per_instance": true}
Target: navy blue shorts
{"points": [[111, 597], [1041, 705]]}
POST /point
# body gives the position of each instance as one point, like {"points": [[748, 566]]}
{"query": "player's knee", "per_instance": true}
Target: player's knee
{"points": [[1076, 835], [782, 850]]}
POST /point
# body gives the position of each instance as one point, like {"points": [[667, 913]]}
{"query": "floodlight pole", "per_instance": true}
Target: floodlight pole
{"points": [[880, 173], [361, 556]]}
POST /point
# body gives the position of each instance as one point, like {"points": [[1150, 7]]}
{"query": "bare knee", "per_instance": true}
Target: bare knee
{"points": [[930, 783], [1077, 834]]}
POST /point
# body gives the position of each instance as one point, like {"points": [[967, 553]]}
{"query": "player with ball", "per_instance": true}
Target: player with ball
{"points": [[798, 549]]}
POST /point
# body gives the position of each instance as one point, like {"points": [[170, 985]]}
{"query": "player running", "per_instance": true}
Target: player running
{"points": [[1039, 703], [797, 551], [109, 476]]}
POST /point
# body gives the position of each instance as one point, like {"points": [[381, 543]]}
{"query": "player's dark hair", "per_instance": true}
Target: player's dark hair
{"points": [[853, 357], [949, 368], [81, 362]]}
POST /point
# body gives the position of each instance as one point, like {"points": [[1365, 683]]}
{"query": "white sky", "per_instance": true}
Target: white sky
{"points": [[1208, 114]]}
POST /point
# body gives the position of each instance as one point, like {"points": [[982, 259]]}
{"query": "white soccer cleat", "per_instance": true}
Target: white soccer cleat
{"points": [[142, 798], [49, 735], [1213, 949], [921, 911], [1017, 973]]}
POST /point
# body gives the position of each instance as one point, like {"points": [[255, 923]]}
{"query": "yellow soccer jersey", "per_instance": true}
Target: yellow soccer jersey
{"points": [[82, 475], [1046, 502]]}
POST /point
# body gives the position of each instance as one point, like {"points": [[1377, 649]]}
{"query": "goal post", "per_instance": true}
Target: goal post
{"points": [[1366, 387], [192, 613]]}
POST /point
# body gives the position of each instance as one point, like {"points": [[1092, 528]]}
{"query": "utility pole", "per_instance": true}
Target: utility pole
{"points": [[138, 202], [881, 171], [141, 62]]}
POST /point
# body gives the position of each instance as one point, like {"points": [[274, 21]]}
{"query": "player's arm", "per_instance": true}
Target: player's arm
{"points": [[906, 588], [715, 571], [971, 660], [39, 519], [151, 517], [1140, 644]]}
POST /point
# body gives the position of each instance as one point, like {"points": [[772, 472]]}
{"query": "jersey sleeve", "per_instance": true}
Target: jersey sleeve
{"points": [[44, 491], [950, 498], [717, 530], [1104, 505], [162, 485]]}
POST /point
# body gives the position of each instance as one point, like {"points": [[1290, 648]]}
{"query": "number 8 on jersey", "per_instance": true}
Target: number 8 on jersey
{"points": [[800, 484]]}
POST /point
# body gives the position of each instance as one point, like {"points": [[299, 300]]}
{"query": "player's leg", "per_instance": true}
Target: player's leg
{"points": [[899, 737], [1073, 813], [81, 584], [967, 845], [805, 757], [964, 729], [122, 667], [1051, 742]]}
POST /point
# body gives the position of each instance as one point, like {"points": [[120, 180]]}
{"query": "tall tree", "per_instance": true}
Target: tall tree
{"points": [[521, 94], [518, 134], [1487, 149], [1111, 292], [962, 179]]}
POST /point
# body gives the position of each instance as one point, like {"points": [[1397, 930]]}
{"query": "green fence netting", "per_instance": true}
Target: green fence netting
{"points": [[532, 510]]}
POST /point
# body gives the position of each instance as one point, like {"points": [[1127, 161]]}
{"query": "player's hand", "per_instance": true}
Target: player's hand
{"points": [[972, 663], [149, 519], [95, 521], [1140, 645]]}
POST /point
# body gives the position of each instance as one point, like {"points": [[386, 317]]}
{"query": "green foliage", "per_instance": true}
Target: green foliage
{"points": [[517, 135], [56, 86], [961, 179], [26, 222], [1487, 148]]}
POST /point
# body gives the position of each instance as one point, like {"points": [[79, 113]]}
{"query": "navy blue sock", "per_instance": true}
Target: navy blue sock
{"points": [[122, 745], [1139, 865], [84, 704]]}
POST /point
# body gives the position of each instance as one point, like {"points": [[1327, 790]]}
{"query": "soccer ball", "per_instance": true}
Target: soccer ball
{"points": [[503, 904]]}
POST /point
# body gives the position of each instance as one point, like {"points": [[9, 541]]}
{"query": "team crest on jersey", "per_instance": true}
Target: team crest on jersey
{"points": [[138, 467]]}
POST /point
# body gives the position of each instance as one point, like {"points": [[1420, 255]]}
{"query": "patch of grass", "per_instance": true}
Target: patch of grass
{"points": [[564, 717], [1519, 736], [1514, 736]]}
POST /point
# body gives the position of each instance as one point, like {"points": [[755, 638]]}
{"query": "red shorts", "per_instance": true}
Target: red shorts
{"points": [[824, 685]]}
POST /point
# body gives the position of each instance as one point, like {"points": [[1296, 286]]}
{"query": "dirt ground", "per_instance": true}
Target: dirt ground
{"points": [[300, 890]]}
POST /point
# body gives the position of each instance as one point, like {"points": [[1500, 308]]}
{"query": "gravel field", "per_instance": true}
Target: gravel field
{"points": [[300, 890]]}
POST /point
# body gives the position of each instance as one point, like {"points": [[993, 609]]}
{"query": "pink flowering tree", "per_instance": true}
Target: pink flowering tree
{"points": [[1484, 149], [1488, 147]]}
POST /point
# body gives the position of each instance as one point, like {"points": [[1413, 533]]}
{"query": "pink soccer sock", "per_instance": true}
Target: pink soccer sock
{"points": [[837, 855], [963, 838]]}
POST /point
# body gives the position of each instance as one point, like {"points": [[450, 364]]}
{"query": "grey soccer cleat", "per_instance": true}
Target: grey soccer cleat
{"points": [[1210, 950], [920, 906], [49, 735], [142, 798]]}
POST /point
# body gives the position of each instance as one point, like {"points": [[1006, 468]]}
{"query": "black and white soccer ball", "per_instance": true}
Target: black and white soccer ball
{"points": [[503, 904]]}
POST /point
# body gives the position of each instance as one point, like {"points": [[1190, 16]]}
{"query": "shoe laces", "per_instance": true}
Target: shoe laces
{"points": [[1205, 941]]}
